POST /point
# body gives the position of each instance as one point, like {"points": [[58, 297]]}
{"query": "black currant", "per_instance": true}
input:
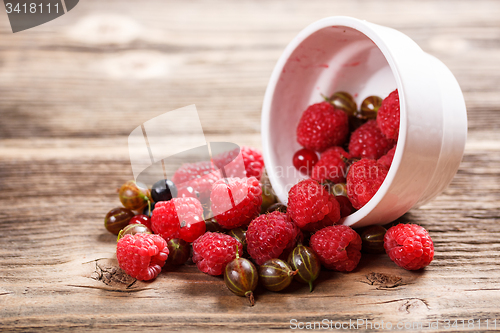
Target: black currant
{"points": [[163, 190]]}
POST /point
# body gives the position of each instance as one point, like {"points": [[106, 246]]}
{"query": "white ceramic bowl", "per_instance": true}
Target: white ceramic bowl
{"points": [[362, 58]]}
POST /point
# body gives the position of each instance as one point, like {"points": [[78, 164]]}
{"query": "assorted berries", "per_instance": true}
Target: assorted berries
{"points": [[224, 215], [372, 133], [409, 246]]}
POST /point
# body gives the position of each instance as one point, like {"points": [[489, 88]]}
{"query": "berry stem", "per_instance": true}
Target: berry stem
{"points": [[250, 297], [310, 286]]}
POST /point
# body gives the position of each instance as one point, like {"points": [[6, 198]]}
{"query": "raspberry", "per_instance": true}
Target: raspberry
{"points": [[386, 160], [231, 161], [409, 246], [369, 142], [331, 166], [213, 251], [271, 236], [169, 215], [338, 247], [235, 201], [142, 255], [309, 202], [388, 116], [322, 126], [196, 180], [363, 181]]}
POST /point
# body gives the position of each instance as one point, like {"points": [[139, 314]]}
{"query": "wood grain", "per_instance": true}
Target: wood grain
{"points": [[73, 89]]}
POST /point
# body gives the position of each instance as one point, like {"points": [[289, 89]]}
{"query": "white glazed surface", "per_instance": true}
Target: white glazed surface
{"points": [[346, 54]]}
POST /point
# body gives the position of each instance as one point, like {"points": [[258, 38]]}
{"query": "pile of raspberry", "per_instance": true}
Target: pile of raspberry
{"points": [[355, 147], [217, 219]]}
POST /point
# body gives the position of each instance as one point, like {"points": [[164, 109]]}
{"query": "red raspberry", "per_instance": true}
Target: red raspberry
{"points": [[322, 126], [142, 255], [178, 218], [363, 181], [309, 202], [190, 171], [195, 180], [338, 247], [235, 201], [271, 236], [409, 246], [386, 160], [231, 161], [213, 251], [331, 166], [388, 116], [369, 142]]}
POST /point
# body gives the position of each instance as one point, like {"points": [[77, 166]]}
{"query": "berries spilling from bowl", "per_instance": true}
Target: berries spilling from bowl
{"points": [[235, 227]]}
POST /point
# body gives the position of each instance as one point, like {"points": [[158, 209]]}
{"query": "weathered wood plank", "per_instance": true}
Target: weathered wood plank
{"points": [[73, 89]]}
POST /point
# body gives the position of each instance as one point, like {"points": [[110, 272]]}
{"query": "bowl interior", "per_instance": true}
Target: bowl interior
{"points": [[335, 58]]}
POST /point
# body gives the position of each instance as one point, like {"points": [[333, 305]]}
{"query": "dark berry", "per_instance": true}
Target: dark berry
{"points": [[212, 225], [179, 251], [369, 107], [268, 196], [304, 160], [343, 101], [141, 219], [148, 210], [163, 190], [241, 278], [346, 207], [133, 196], [133, 229], [277, 207], [276, 275], [117, 219], [373, 239], [355, 123], [240, 235], [307, 264]]}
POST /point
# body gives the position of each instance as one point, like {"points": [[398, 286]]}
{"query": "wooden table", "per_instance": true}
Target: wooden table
{"points": [[73, 89]]}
